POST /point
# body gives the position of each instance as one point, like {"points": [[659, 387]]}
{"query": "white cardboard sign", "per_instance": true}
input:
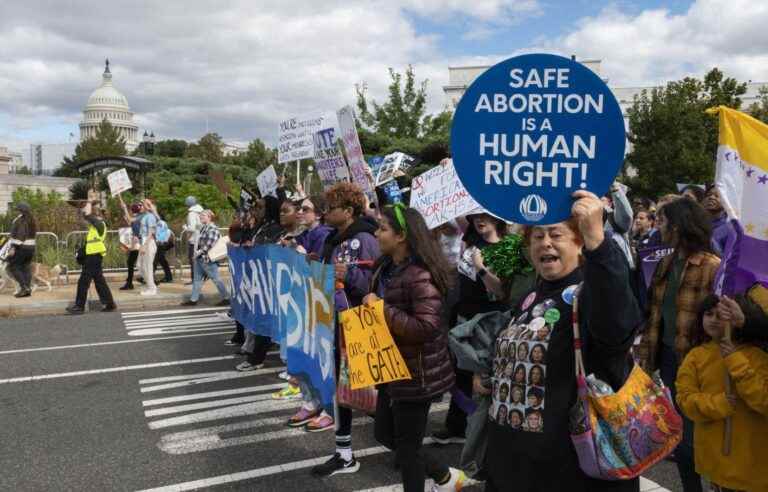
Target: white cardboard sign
{"points": [[267, 182], [439, 195], [119, 182], [296, 137]]}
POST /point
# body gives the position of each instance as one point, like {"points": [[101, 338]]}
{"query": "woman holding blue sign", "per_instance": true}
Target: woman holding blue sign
{"points": [[413, 277], [537, 454]]}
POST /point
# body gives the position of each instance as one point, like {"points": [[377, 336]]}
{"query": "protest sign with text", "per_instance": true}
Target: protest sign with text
{"points": [[357, 165], [277, 293], [532, 130], [649, 259], [329, 161], [267, 181], [119, 182], [373, 356], [396, 161], [296, 137], [439, 195]]}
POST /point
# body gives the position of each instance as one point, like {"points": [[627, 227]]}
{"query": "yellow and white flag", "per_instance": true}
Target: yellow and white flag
{"points": [[742, 179]]}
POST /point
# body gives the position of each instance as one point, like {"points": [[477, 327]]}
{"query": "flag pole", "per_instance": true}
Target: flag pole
{"points": [[728, 431]]}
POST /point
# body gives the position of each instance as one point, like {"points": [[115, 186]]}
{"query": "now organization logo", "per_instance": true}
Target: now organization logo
{"points": [[533, 207]]}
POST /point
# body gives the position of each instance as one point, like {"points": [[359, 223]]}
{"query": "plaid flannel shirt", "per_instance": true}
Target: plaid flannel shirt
{"points": [[696, 283], [209, 234]]}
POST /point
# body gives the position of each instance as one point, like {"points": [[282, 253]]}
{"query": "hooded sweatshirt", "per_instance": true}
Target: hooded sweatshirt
{"points": [[357, 243], [193, 223]]}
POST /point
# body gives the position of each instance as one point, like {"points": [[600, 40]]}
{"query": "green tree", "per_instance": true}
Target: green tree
{"points": [[673, 139], [401, 116], [210, 148], [759, 109], [257, 157], [170, 148], [106, 142]]}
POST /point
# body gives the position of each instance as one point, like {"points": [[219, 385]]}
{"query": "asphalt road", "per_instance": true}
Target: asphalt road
{"points": [[150, 401]]}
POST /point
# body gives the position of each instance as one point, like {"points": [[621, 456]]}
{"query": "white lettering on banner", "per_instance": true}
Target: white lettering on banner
{"points": [[439, 195]]}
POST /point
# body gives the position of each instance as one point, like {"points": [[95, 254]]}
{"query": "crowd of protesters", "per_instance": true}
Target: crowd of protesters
{"points": [[435, 285]]}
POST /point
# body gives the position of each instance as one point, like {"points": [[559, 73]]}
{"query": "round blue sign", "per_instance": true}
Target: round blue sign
{"points": [[532, 130]]}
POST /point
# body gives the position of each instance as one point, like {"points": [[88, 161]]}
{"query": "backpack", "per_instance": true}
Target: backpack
{"points": [[162, 232]]}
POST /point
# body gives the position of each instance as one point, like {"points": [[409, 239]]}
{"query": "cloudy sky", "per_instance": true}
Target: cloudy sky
{"points": [[243, 65]]}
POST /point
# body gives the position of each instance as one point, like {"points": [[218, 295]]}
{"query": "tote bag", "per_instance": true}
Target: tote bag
{"points": [[621, 435]]}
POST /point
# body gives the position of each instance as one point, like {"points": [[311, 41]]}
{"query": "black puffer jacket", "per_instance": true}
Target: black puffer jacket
{"points": [[413, 307]]}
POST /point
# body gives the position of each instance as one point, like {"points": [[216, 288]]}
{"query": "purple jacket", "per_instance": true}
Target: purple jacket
{"points": [[357, 243], [312, 240], [722, 233]]}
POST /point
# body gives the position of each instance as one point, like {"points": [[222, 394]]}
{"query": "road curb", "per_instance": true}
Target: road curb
{"points": [[48, 308]]}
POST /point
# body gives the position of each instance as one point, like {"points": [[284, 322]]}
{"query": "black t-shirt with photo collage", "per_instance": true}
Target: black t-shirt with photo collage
{"points": [[533, 380]]}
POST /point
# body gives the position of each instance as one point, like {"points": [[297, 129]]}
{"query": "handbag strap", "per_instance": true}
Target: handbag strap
{"points": [[577, 342]]}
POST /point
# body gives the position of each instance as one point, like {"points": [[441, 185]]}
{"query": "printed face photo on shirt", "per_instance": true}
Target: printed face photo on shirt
{"points": [[517, 394], [501, 415], [511, 351], [534, 421], [522, 351], [538, 354], [502, 352], [536, 375], [503, 392], [520, 374], [515, 418], [535, 398], [508, 369]]}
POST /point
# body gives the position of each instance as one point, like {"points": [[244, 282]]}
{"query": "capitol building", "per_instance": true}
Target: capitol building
{"points": [[106, 102]]}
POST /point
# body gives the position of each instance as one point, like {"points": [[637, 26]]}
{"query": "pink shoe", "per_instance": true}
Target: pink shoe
{"points": [[302, 417], [322, 422]]}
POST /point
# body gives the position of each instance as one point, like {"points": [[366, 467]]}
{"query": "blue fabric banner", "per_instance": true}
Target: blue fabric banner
{"points": [[276, 292]]}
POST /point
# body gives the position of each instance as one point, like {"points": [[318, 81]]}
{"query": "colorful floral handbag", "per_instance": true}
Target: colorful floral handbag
{"points": [[621, 435]]}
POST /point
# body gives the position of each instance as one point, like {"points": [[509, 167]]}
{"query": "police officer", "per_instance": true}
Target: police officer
{"points": [[95, 249]]}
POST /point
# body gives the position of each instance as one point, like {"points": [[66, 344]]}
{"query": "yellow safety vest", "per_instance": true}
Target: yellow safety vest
{"points": [[94, 242]]}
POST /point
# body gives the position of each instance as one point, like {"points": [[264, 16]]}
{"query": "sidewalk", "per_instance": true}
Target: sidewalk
{"points": [[44, 303]]}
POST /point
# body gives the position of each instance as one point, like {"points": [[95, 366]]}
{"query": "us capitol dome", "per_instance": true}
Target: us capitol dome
{"points": [[106, 102]]}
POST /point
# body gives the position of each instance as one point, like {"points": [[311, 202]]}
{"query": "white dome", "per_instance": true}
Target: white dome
{"points": [[107, 103], [107, 95]]}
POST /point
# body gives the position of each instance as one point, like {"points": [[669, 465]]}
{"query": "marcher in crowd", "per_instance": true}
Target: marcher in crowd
{"points": [[722, 229], [537, 455], [165, 239], [132, 217], [681, 282], [350, 250], [310, 242], [413, 277], [192, 228], [148, 249], [704, 398], [22, 252], [479, 291], [694, 192], [95, 250], [209, 236], [645, 235]]}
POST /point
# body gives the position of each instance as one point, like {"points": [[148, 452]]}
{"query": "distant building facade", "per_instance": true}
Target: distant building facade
{"points": [[44, 159], [11, 182]]}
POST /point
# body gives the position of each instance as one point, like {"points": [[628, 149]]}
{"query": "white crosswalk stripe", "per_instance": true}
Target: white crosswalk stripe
{"points": [[173, 322]]}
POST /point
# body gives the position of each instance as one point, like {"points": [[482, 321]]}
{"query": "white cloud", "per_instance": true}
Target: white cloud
{"points": [[244, 65], [655, 46]]}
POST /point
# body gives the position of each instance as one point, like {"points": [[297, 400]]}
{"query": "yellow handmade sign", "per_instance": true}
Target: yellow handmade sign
{"points": [[372, 353]]}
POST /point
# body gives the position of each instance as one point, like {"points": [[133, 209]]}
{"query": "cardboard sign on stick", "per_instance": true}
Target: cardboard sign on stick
{"points": [[119, 182], [373, 356]]}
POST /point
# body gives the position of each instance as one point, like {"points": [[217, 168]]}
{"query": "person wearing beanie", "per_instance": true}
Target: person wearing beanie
{"points": [[23, 232], [192, 227]]}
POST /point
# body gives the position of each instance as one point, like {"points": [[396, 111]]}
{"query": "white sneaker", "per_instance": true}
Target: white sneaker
{"points": [[284, 375], [149, 292], [454, 484]]}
